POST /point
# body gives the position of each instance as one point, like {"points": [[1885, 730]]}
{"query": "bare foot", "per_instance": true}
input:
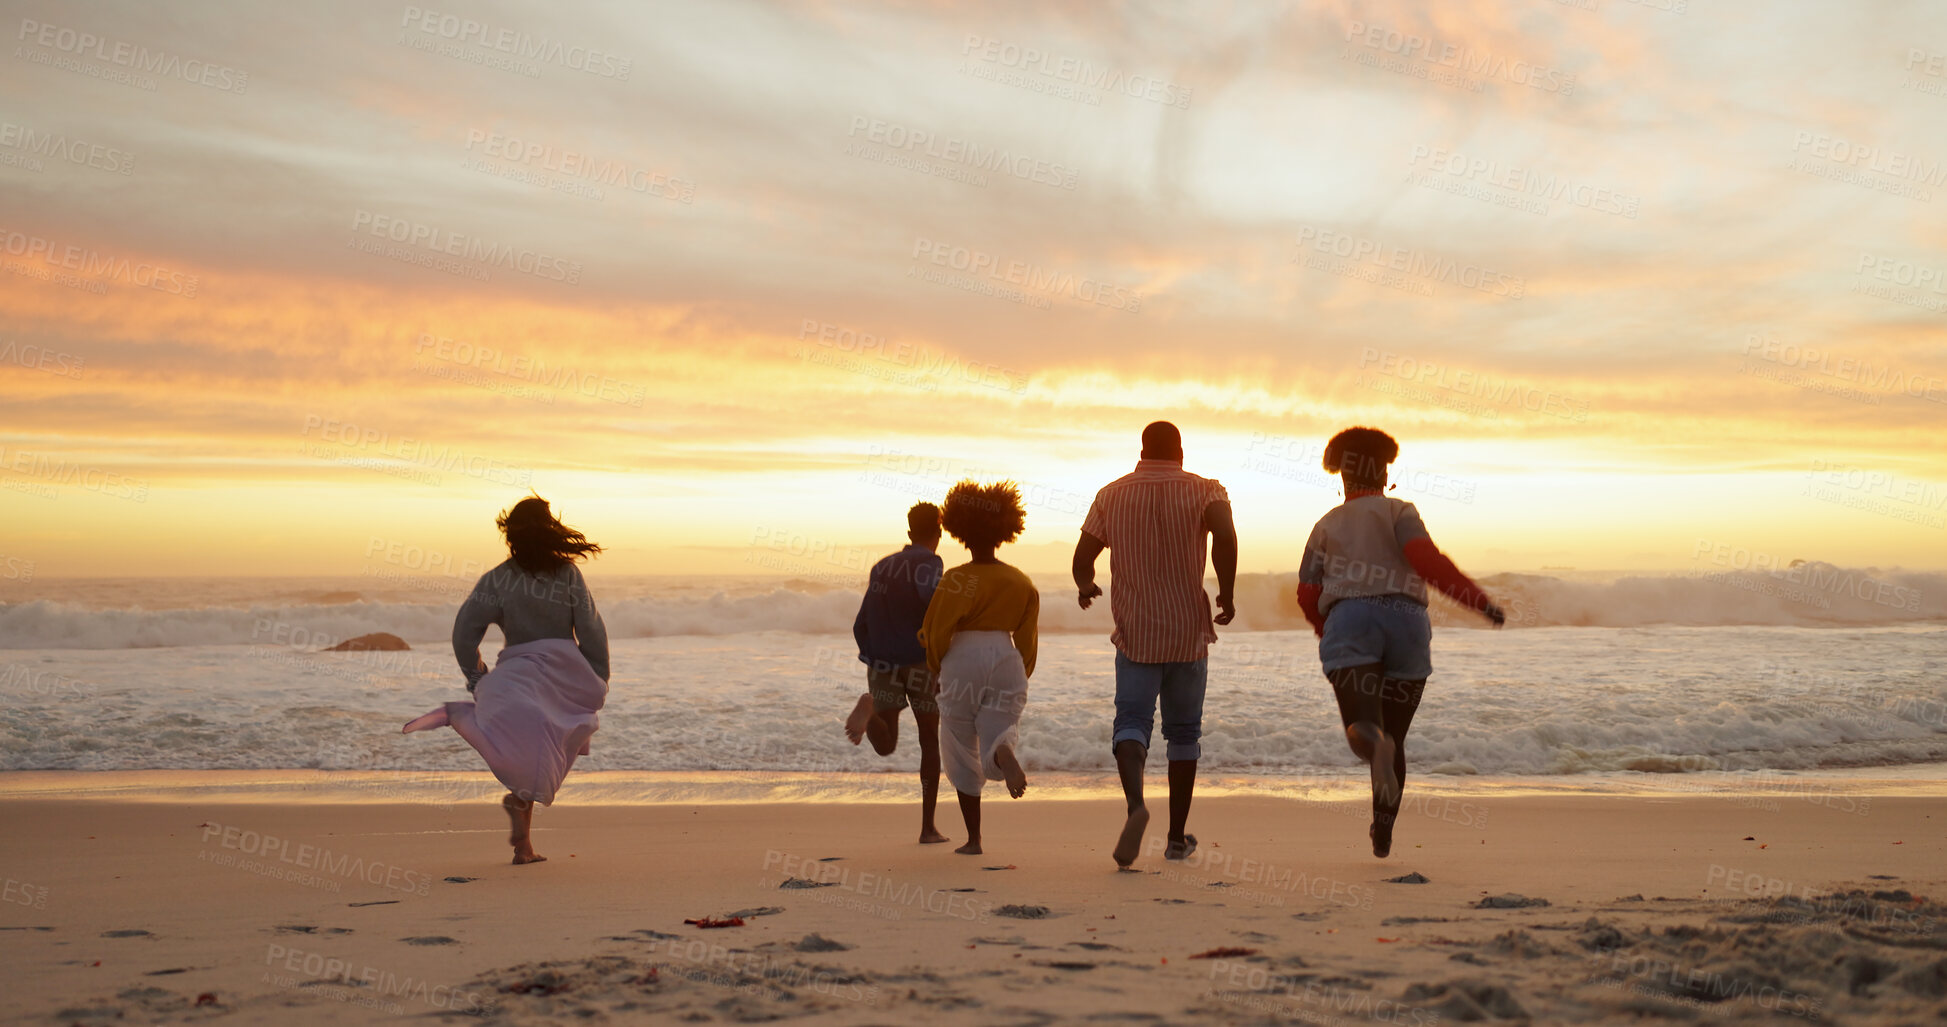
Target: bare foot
{"points": [[855, 723], [1017, 779], [1127, 846], [972, 848], [426, 721], [521, 815], [931, 836]]}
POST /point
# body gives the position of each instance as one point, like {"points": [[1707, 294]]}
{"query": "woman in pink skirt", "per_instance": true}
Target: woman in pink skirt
{"points": [[536, 710]]}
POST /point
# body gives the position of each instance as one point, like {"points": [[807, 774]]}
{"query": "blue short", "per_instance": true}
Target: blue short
{"points": [[1175, 688], [1389, 630]]}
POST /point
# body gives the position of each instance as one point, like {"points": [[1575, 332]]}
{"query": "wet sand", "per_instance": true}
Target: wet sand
{"points": [[1591, 909]]}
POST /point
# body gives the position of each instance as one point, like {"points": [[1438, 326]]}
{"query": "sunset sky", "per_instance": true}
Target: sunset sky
{"points": [[734, 284]]}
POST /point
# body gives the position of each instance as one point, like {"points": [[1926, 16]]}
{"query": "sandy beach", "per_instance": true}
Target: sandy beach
{"points": [[1548, 909]]}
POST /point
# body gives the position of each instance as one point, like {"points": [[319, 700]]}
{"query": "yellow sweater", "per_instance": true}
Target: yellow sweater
{"points": [[981, 597]]}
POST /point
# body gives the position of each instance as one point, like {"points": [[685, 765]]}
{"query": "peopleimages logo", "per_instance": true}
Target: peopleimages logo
{"points": [[55, 146], [76, 43], [515, 43], [999, 160], [272, 850], [1526, 181], [439, 241], [1022, 275], [1076, 71], [1462, 59], [94, 265], [576, 165]]}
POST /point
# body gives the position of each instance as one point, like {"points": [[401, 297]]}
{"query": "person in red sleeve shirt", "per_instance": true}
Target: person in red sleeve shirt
{"points": [[1362, 584]]}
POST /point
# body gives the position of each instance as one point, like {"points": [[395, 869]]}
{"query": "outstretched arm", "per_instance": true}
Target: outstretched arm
{"points": [[1432, 564], [1087, 548], [1223, 557]]}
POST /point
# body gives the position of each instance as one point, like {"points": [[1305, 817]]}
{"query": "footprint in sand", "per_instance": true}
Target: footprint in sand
{"points": [[456, 879], [309, 929], [131, 932], [1466, 1001], [1019, 912], [1413, 878], [815, 942], [431, 939], [1509, 901], [805, 882], [375, 902], [757, 911]]}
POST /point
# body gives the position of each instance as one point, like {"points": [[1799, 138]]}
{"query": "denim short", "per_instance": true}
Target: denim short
{"points": [[1389, 630], [1176, 689]]}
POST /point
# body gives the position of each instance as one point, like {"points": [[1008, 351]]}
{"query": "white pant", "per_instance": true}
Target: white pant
{"points": [[983, 687]]}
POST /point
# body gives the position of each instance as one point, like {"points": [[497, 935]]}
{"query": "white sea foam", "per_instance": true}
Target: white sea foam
{"points": [[1672, 701], [147, 614]]}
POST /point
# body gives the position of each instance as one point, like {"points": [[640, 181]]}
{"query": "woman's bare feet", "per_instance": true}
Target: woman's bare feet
{"points": [[861, 714], [930, 835], [1011, 772], [521, 814], [972, 848]]}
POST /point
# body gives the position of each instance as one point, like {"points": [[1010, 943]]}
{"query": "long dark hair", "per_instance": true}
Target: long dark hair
{"points": [[537, 541]]}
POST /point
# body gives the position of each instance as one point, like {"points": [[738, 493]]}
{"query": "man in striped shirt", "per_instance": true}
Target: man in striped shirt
{"points": [[1154, 522]]}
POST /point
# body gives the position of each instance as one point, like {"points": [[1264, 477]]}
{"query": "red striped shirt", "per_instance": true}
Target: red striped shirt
{"points": [[1152, 520]]}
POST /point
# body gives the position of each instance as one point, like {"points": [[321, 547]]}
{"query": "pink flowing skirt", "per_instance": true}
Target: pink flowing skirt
{"points": [[532, 715]]}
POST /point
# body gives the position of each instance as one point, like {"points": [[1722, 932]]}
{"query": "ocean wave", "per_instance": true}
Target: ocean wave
{"points": [[1808, 595], [1670, 703]]}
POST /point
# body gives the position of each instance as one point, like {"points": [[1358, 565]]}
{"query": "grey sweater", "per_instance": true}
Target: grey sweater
{"points": [[530, 607]]}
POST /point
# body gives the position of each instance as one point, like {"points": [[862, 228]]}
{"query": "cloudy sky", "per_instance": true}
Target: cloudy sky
{"points": [[733, 284]]}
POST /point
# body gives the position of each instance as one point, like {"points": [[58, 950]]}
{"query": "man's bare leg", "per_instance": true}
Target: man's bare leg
{"points": [[521, 813], [1011, 772], [1129, 757], [855, 723], [927, 726], [1183, 784], [970, 812]]}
